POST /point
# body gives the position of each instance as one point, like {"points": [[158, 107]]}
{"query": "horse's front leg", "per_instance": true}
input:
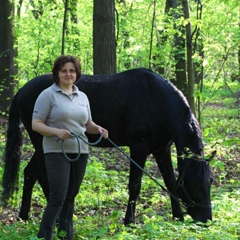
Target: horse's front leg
{"points": [[139, 155], [164, 162]]}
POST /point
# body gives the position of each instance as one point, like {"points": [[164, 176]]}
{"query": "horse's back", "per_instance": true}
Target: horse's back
{"points": [[134, 104], [27, 95], [31, 90]]}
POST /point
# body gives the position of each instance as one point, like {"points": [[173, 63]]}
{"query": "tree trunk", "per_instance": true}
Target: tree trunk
{"points": [[179, 53], [190, 72], [64, 25], [238, 74], [104, 44], [7, 69], [76, 41], [198, 48], [153, 27]]}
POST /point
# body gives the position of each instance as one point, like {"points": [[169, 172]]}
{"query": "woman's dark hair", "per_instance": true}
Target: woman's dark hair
{"points": [[58, 64]]}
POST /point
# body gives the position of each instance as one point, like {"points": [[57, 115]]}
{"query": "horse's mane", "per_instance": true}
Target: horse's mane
{"points": [[184, 121]]}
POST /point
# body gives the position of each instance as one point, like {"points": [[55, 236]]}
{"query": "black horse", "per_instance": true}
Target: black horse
{"points": [[141, 110]]}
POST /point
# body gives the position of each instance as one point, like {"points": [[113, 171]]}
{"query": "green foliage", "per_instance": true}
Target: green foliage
{"points": [[99, 213], [19, 231], [40, 42], [39, 36]]}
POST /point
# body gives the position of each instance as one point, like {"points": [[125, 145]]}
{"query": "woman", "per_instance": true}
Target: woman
{"points": [[59, 109]]}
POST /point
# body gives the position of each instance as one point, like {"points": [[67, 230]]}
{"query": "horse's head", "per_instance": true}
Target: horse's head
{"points": [[193, 185]]}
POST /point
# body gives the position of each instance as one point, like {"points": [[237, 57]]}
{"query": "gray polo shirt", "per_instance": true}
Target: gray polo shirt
{"points": [[56, 109]]}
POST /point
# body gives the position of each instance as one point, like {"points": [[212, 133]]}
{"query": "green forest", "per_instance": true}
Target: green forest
{"points": [[193, 44]]}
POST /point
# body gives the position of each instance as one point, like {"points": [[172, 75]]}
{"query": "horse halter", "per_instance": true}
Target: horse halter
{"points": [[180, 184]]}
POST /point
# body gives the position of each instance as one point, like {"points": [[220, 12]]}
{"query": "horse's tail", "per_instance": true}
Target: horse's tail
{"points": [[12, 153]]}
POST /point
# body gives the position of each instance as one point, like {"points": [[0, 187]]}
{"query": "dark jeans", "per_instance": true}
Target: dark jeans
{"points": [[64, 179]]}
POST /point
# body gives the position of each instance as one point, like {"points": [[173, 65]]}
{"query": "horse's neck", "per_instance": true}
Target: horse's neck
{"points": [[189, 136]]}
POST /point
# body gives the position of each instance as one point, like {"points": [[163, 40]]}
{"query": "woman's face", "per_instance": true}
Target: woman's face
{"points": [[67, 74]]}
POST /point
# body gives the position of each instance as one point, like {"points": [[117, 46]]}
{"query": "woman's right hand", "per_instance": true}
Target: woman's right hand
{"points": [[64, 134], [40, 127]]}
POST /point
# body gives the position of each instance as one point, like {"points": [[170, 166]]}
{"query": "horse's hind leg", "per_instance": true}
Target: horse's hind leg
{"points": [[42, 178], [138, 154], [165, 166], [31, 175], [30, 179]]}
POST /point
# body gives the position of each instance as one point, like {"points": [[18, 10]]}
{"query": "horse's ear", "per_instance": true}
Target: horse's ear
{"points": [[211, 156]]}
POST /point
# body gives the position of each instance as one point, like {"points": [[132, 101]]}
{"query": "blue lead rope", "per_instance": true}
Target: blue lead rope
{"points": [[78, 137]]}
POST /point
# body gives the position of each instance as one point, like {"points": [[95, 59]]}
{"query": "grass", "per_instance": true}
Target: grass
{"points": [[101, 203]]}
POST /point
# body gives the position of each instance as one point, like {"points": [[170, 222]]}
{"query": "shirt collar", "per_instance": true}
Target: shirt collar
{"points": [[56, 88]]}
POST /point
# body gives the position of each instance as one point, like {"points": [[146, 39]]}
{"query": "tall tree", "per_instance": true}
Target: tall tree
{"points": [[180, 47], [73, 29], [189, 47], [238, 70], [64, 25], [198, 48], [7, 69], [104, 44]]}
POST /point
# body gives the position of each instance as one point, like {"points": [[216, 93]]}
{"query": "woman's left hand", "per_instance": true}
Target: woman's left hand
{"points": [[93, 128], [104, 132]]}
